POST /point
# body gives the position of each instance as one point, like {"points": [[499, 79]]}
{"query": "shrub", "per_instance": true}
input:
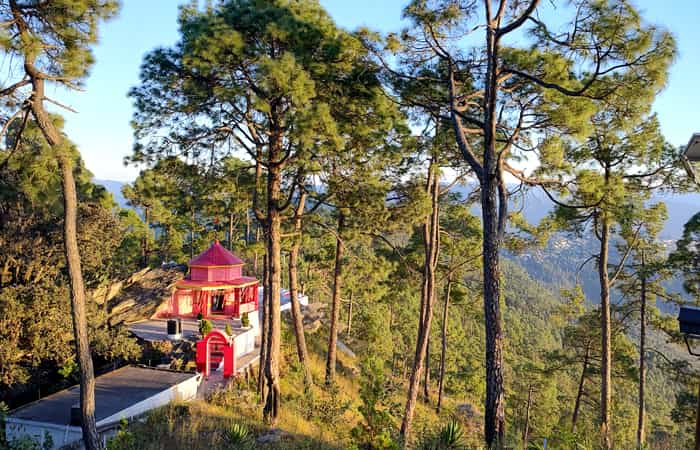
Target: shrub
{"points": [[205, 327], [325, 408], [228, 330], [376, 430], [124, 439], [156, 352], [245, 321]]}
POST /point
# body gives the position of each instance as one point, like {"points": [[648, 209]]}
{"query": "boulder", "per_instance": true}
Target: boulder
{"points": [[314, 308], [272, 436], [312, 327]]}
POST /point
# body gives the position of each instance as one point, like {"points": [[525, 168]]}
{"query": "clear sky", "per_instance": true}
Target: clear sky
{"points": [[103, 133]]}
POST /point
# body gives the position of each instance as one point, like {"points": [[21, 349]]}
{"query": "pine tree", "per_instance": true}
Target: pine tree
{"points": [[686, 259], [500, 98], [614, 173], [52, 40], [263, 77]]}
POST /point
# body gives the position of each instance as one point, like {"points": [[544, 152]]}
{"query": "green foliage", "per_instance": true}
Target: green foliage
{"points": [[124, 439], [228, 330], [238, 437], [67, 27], [686, 256], [376, 431], [205, 327], [449, 437], [326, 409], [245, 321], [35, 322], [251, 77]]}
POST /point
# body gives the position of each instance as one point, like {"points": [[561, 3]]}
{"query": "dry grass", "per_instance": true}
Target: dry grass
{"points": [[320, 419]]}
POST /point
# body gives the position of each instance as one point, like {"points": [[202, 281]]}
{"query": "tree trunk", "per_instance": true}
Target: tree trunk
{"points": [[494, 212], [146, 250], [494, 411], [526, 429], [274, 221], [579, 393], [230, 231], [605, 326], [426, 377], [247, 227], [443, 350], [264, 324], [347, 331], [642, 354], [262, 225], [335, 306], [192, 220], [293, 295], [72, 253], [82, 342], [431, 242]]}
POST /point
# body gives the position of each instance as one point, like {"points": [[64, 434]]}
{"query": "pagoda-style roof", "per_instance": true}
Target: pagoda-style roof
{"points": [[216, 256]]}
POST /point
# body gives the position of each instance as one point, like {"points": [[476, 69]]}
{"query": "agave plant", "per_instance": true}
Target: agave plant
{"points": [[238, 437], [449, 437]]}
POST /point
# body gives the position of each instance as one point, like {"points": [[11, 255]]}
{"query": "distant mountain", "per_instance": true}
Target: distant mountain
{"points": [[535, 205], [114, 188], [558, 264]]}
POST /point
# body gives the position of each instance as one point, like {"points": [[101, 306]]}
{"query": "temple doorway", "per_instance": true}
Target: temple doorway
{"points": [[216, 347], [217, 302]]}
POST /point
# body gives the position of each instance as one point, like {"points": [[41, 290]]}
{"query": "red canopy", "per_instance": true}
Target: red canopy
{"points": [[216, 255]]}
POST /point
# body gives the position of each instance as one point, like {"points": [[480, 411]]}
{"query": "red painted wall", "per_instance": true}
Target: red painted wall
{"points": [[215, 273]]}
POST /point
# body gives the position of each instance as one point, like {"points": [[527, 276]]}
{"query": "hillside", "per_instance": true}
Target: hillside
{"points": [[336, 417]]}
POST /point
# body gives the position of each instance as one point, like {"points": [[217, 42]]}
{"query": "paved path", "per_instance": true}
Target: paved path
{"points": [[157, 329], [216, 378], [215, 381]]}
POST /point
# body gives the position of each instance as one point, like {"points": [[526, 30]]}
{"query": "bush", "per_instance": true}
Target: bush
{"points": [[156, 352], [205, 327], [124, 439], [245, 321], [325, 408], [376, 430], [228, 330]]}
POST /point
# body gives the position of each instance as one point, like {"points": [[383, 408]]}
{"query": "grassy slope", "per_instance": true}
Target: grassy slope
{"points": [[308, 421]]}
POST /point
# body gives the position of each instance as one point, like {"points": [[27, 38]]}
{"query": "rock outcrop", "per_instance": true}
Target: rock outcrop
{"points": [[139, 296]]}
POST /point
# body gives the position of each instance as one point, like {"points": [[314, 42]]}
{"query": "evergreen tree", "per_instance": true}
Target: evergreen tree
{"points": [[52, 40], [502, 97], [263, 77], [612, 175]]}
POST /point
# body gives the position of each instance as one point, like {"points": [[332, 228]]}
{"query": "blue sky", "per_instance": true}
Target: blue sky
{"points": [[101, 127]]}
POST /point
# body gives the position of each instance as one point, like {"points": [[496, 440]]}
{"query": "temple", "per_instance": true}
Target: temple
{"points": [[214, 287]]}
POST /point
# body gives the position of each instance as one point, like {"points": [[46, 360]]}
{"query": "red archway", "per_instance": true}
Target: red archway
{"points": [[215, 346]]}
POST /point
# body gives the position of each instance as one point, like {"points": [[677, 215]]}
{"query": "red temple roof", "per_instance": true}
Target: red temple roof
{"points": [[216, 255]]}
